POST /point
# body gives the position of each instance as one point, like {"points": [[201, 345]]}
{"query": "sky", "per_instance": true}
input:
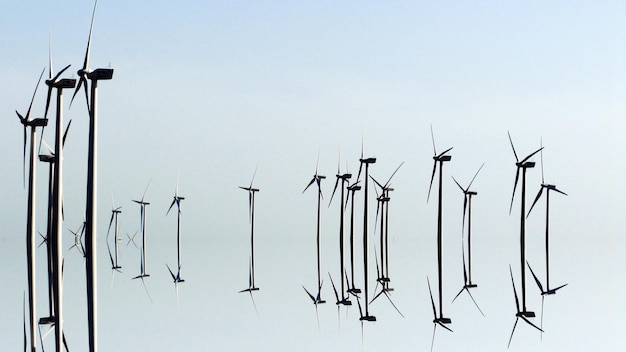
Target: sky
{"points": [[205, 91]]}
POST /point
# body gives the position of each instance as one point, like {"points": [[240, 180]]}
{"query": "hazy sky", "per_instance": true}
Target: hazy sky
{"points": [[205, 91]]}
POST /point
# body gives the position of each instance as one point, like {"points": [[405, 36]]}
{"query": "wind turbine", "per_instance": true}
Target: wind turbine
{"points": [[520, 313], [548, 188], [439, 158], [523, 165], [383, 204], [92, 181], [467, 207], [142, 204], [49, 238], [351, 191], [344, 178], [59, 85], [30, 218], [317, 178], [176, 200], [50, 226], [437, 320], [114, 215], [251, 193], [367, 162]]}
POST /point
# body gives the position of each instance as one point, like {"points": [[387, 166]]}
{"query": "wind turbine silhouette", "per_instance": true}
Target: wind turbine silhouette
{"points": [[523, 165], [114, 215], [317, 178], [383, 205], [59, 85], [436, 320], [439, 158], [344, 178], [350, 197], [467, 208], [548, 188], [30, 218], [520, 313], [367, 162], [92, 183], [251, 193], [142, 204], [177, 198]]}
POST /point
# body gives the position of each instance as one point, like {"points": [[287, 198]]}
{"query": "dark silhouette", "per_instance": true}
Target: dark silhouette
{"points": [[318, 180], [439, 158], [251, 277], [467, 271], [344, 178], [519, 314], [523, 165]]}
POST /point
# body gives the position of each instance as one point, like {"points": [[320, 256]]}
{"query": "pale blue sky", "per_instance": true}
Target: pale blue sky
{"points": [[207, 90]]}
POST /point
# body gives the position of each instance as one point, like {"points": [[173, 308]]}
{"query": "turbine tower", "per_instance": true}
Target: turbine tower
{"points": [[92, 182], [524, 164], [367, 162], [30, 219], [439, 159], [317, 178], [467, 208], [59, 84], [251, 193], [344, 178], [176, 200]]}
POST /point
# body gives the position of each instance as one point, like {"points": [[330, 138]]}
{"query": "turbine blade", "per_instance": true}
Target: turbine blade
{"points": [[171, 205], [310, 183], [458, 294], [442, 154], [473, 178], [393, 304], [432, 136], [35, 92], [511, 140], [514, 187], [476, 304], [93, 15], [24, 159], [530, 155], [444, 326], [393, 174], [432, 300], [110, 223], [558, 190], [535, 201], [432, 342], [536, 279], [67, 129], [334, 189], [558, 288], [512, 331], [514, 291], [60, 73], [457, 183], [171, 273], [81, 81], [379, 185], [334, 289], [432, 178], [530, 323], [541, 155], [309, 293]]}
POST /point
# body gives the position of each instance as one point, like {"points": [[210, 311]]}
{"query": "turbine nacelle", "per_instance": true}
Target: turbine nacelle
{"points": [[526, 165], [99, 74], [62, 83], [368, 161]]}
